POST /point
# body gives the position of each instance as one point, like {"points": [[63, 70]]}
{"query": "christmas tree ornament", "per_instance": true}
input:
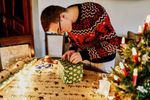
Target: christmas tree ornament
{"points": [[126, 66], [123, 45], [142, 89], [134, 55], [123, 40], [148, 20], [145, 27], [141, 43], [140, 31], [134, 77], [123, 69], [147, 23], [118, 70], [145, 58], [146, 83], [116, 79], [140, 67]]}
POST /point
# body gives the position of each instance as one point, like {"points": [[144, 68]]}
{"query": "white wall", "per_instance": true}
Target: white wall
{"points": [[37, 40], [124, 14]]}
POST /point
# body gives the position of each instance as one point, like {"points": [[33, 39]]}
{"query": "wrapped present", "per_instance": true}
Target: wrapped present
{"points": [[70, 73]]}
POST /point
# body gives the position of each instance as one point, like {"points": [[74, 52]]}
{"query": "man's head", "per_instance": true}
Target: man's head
{"points": [[54, 19], [51, 14]]}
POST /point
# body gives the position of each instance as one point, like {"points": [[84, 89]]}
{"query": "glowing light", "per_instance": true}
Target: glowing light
{"points": [[148, 19], [123, 40], [140, 29]]}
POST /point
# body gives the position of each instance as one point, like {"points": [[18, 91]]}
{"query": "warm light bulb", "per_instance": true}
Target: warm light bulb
{"points": [[134, 77], [123, 69], [134, 55], [135, 71], [121, 65], [140, 29], [123, 40], [148, 19], [134, 51]]}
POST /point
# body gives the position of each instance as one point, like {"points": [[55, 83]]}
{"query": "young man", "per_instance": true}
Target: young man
{"points": [[91, 34]]}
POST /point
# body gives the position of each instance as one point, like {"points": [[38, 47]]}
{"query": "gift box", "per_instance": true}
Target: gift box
{"points": [[70, 73]]}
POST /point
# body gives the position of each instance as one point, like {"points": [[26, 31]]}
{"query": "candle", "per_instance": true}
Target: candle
{"points": [[140, 30], [116, 79], [134, 56], [147, 23], [123, 40], [134, 77], [123, 45], [148, 19], [123, 69], [145, 27]]}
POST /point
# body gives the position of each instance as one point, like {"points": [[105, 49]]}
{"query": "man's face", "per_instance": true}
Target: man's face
{"points": [[65, 25]]}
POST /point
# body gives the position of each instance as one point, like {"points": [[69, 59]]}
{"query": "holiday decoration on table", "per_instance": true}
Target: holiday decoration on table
{"points": [[70, 73], [132, 75], [104, 87], [45, 64], [42, 66]]}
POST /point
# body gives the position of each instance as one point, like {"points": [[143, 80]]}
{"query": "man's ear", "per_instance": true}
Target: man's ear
{"points": [[62, 16]]}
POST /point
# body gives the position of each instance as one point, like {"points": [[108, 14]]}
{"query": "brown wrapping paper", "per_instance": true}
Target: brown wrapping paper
{"points": [[4, 75], [16, 67]]}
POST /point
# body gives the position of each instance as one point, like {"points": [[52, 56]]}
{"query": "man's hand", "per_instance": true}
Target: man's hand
{"points": [[75, 58], [67, 55]]}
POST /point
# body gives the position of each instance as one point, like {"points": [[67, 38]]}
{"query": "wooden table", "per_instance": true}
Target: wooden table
{"points": [[29, 84]]}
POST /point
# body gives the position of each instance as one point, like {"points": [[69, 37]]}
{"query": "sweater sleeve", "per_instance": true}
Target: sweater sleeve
{"points": [[105, 45], [93, 33]]}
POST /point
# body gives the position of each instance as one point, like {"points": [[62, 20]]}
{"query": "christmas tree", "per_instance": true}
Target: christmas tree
{"points": [[132, 75]]}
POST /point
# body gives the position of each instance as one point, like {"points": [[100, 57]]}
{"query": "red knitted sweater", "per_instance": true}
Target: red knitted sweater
{"points": [[93, 34]]}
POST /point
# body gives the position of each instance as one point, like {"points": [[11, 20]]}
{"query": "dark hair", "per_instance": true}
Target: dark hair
{"points": [[51, 14]]}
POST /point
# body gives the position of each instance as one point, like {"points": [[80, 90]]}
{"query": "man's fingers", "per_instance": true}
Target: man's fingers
{"points": [[75, 61], [67, 55], [73, 56]]}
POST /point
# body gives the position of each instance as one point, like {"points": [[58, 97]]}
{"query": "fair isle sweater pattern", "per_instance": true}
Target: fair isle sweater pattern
{"points": [[93, 33]]}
